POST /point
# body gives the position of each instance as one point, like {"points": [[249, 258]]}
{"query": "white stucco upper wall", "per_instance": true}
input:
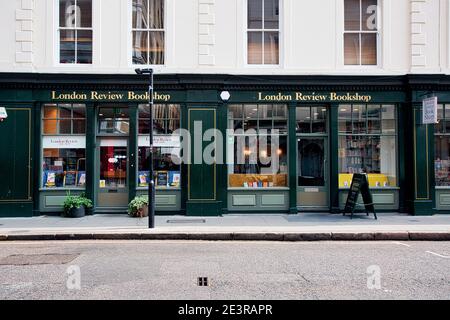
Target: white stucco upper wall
{"points": [[208, 36]]}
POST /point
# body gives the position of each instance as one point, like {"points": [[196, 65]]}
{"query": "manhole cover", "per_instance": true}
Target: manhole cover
{"points": [[37, 259], [187, 221]]}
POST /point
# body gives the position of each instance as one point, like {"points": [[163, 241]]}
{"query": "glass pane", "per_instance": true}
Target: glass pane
{"points": [[67, 11], [281, 126], [67, 46], [156, 47], [140, 47], [172, 125], [144, 126], [369, 15], [238, 124], [156, 14], [50, 111], [235, 112], [113, 167], [442, 161], [265, 111], [106, 120], [345, 118], [144, 111], [159, 111], [50, 127], [140, 14], [254, 13], [374, 119], [159, 126], [439, 127], [352, 15], [79, 126], [255, 48], [65, 111], [280, 111], [250, 111], [271, 48], [65, 126], [79, 111], [351, 49], [173, 112], [162, 163], [303, 120], [64, 168], [84, 46], [369, 49], [359, 117], [319, 119], [388, 119], [271, 14], [311, 161], [265, 126], [84, 19]]}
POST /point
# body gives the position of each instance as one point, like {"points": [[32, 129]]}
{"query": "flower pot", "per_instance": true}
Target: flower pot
{"points": [[142, 212], [77, 212]]}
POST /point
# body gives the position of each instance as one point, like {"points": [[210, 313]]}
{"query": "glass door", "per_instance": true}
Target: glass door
{"points": [[312, 168], [312, 158], [113, 173]]}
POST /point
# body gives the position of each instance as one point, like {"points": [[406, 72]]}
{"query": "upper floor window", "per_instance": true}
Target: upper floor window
{"points": [[75, 31], [148, 32], [263, 32], [360, 32]]}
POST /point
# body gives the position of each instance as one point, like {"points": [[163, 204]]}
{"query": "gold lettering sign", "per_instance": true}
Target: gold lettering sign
{"points": [[109, 96], [315, 97]]}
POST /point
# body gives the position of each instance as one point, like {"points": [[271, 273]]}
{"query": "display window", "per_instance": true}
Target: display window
{"points": [[367, 144], [63, 146], [442, 147], [260, 131], [166, 142]]}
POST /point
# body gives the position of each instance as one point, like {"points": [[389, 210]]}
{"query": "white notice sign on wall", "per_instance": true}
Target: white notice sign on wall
{"points": [[429, 111]]}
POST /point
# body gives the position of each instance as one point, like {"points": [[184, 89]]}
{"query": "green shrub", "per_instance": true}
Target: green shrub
{"points": [[137, 204], [76, 202]]}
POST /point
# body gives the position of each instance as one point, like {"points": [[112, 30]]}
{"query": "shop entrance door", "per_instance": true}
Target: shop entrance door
{"points": [[312, 168], [112, 174]]}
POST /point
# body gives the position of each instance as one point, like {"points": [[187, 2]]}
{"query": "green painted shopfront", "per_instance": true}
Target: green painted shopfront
{"points": [[89, 134]]}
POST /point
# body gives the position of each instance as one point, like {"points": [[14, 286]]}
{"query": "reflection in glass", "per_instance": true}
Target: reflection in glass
{"points": [[113, 167], [311, 156]]}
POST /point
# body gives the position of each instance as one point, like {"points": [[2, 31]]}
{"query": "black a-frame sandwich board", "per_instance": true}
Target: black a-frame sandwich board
{"points": [[360, 184]]}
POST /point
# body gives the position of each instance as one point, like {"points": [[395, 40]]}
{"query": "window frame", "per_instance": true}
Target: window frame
{"points": [[166, 118], [395, 135], [378, 34], [130, 36], [76, 29], [41, 151], [256, 134], [280, 37]]}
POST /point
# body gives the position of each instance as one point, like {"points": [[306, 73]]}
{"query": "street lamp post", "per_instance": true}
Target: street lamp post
{"points": [[151, 185]]}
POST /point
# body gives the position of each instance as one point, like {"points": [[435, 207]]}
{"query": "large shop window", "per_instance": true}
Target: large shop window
{"points": [[263, 32], [166, 146], [442, 147], [367, 144], [75, 31], [257, 132], [360, 32], [64, 143], [148, 32]]}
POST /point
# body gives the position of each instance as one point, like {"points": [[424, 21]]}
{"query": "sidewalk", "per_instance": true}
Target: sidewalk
{"points": [[301, 227]]}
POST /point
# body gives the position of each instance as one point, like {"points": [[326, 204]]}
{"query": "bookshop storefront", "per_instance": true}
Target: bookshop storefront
{"points": [[66, 138]]}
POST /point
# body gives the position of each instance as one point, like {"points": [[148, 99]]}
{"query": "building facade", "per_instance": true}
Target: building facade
{"points": [[340, 82]]}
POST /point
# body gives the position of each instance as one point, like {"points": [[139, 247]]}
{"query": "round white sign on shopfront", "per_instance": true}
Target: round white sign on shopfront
{"points": [[3, 113]]}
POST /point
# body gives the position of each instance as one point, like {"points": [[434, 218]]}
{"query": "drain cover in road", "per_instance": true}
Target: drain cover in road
{"points": [[37, 259]]}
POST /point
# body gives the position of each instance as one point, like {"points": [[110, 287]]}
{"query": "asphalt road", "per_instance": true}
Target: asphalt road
{"points": [[235, 270]]}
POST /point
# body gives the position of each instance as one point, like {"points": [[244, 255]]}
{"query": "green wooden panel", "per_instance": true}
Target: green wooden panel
{"points": [[273, 200], [244, 200], [15, 160], [201, 176]]}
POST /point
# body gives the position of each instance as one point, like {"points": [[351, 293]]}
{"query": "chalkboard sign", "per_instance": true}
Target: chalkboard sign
{"points": [[161, 179], [359, 185], [70, 179]]}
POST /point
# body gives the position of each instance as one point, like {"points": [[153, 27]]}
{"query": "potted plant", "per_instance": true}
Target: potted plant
{"points": [[75, 206], [138, 207]]}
